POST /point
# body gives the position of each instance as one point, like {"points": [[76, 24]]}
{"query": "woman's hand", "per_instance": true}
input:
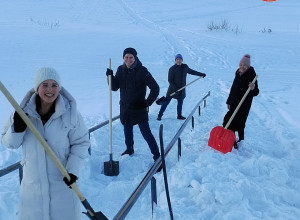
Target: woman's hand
{"points": [[72, 180], [19, 124], [251, 85]]}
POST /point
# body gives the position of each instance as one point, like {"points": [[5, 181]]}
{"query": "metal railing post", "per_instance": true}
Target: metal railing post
{"points": [[179, 148], [21, 174], [193, 122], [153, 193]]}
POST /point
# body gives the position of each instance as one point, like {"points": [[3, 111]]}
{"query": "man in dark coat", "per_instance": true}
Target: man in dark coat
{"points": [[132, 78], [242, 81], [177, 79]]}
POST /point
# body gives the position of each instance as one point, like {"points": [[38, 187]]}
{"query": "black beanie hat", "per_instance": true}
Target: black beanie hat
{"points": [[130, 50]]}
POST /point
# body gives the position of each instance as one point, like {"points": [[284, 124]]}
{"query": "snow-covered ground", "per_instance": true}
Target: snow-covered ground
{"points": [[259, 181]]}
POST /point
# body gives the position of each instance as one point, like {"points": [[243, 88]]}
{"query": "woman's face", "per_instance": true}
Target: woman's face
{"points": [[48, 91], [129, 60], [243, 67]]}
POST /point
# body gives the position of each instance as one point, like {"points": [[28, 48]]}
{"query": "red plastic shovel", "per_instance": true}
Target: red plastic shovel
{"points": [[221, 138]]}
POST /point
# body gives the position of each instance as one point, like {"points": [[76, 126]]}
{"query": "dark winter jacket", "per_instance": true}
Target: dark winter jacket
{"points": [[177, 79], [237, 91], [133, 83]]}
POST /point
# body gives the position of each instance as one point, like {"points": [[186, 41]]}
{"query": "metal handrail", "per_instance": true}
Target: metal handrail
{"points": [[140, 188], [10, 168], [102, 124]]}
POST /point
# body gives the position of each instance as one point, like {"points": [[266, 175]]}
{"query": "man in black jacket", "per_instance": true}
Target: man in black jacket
{"points": [[177, 79], [132, 78]]}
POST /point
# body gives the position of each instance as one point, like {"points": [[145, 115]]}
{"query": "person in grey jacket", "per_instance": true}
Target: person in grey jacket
{"points": [[177, 79], [132, 78], [44, 193]]}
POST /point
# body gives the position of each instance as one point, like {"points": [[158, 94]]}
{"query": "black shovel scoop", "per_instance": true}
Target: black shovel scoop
{"points": [[96, 216]]}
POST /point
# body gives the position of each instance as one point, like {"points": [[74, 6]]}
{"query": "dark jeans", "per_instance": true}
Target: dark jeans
{"points": [[241, 134], [166, 103], [147, 134]]}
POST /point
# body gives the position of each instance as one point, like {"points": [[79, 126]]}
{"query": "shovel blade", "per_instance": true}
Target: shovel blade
{"points": [[161, 100], [111, 168], [221, 139], [96, 216]]}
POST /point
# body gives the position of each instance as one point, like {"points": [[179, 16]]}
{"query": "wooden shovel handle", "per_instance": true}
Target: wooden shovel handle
{"points": [[110, 109], [240, 103], [185, 86]]}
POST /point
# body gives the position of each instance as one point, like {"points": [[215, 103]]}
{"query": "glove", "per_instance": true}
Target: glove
{"points": [[19, 124], [72, 180], [139, 105], [109, 72], [203, 75]]}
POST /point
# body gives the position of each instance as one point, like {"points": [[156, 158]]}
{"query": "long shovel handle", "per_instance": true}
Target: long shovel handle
{"points": [[185, 86], [163, 99], [240, 103], [46, 146], [110, 109]]}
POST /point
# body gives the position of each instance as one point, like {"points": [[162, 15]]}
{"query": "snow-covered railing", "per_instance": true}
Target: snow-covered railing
{"points": [[19, 166], [11, 168], [149, 176]]}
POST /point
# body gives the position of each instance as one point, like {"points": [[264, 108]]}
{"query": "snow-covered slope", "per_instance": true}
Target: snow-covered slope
{"points": [[260, 181]]}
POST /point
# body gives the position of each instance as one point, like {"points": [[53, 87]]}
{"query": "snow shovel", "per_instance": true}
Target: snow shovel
{"points": [[111, 168], [90, 212], [222, 139], [161, 100]]}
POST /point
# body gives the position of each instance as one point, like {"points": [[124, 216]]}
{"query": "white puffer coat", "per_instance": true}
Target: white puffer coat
{"points": [[43, 194]]}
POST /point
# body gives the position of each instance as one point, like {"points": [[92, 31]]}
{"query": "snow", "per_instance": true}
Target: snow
{"points": [[259, 181]]}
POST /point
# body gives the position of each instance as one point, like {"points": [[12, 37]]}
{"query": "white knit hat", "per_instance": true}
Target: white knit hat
{"points": [[43, 74]]}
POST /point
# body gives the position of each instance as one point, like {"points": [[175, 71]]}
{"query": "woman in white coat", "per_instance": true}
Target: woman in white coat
{"points": [[44, 194]]}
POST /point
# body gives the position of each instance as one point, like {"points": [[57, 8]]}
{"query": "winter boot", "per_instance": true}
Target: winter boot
{"points": [[235, 145], [158, 118], [159, 169], [180, 117], [129, 152]]}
